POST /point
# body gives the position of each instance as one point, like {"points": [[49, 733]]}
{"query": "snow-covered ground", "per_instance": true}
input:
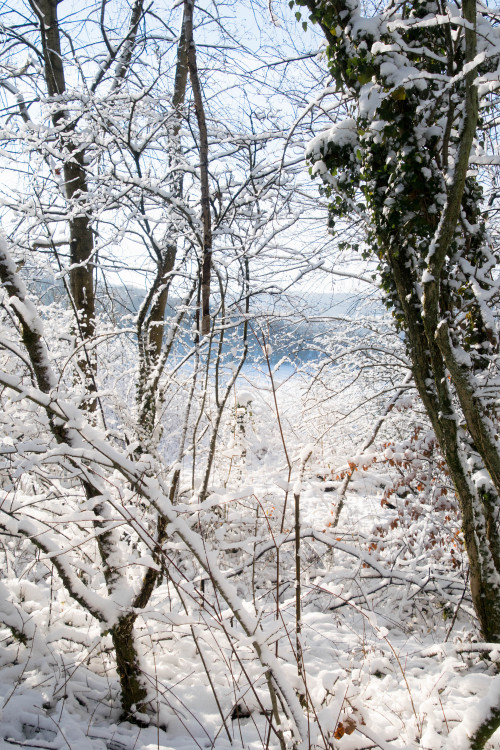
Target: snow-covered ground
{"points": [[390, 654]]}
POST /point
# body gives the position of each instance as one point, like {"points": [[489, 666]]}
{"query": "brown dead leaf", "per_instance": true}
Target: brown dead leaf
{"points": [[340, 731], [349, 725]]}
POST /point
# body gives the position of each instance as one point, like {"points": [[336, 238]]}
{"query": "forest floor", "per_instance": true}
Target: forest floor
{"points": [[390, 653]]}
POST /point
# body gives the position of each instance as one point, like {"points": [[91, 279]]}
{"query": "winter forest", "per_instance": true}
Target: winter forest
{"points": [[250, 373]]}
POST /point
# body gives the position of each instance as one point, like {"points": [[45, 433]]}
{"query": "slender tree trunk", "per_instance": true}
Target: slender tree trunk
{"points": [[81, 240], [81, 273], [151, 317], [157, 315], [480, 519], [206, 263]]}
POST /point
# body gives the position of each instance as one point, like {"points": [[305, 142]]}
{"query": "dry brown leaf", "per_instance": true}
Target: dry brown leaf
{"points": [[340, 731], [349, 725]]}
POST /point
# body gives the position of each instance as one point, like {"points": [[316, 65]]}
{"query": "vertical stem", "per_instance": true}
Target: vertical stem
{"points": [[298, 588], [133, 688]]}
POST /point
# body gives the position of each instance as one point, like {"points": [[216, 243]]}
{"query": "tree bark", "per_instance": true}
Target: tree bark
{"points": [[430, 375], [134, 691]]}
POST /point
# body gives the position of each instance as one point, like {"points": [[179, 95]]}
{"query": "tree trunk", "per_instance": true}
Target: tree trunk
{"points": [[81, 240], [133, 688], [206, 262], [151, 325], [422, 251], [431, 380]]}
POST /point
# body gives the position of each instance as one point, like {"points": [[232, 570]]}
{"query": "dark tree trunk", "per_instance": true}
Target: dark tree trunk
{"points": [[206, 263], [133, 688], [81, 240]]}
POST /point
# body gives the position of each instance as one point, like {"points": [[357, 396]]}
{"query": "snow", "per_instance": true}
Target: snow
{"points": [[459, 737], [385, 650], [341, 134], [391, 675]]}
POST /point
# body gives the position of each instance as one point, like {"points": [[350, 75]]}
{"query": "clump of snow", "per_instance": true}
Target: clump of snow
{"points": [[341, 134]]}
